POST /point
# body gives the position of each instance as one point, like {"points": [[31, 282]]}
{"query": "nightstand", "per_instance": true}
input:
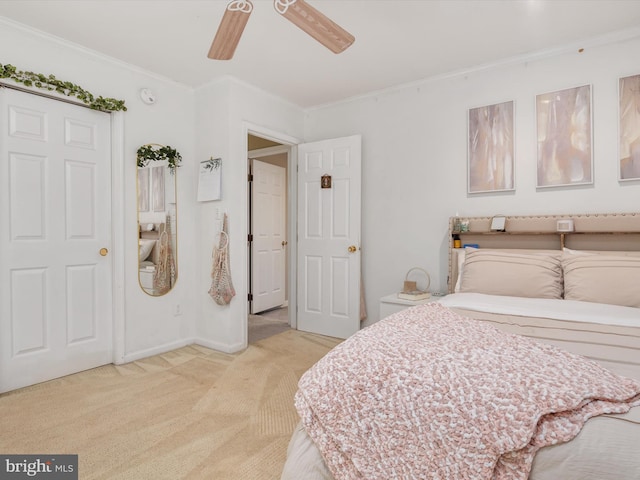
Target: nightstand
{"points": [[146, 280], [392, 304]]}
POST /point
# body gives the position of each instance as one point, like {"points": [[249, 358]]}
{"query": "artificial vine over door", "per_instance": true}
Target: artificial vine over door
{"points": [[52, 84]]}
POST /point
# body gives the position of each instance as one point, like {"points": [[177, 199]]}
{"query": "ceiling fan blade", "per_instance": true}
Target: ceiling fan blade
{"points": [[232, 25], [316, 24]]}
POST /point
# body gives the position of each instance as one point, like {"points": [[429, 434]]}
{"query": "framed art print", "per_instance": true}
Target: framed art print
{"points": [[210, 180], [629, 127], [143, 190], [491, 148], [564, 137], [157, 188]]}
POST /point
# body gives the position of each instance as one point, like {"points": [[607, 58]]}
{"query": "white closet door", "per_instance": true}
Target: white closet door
{"points": [[55, 217]]}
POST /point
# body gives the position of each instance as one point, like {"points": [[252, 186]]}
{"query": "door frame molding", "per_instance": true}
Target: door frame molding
{"points": [[289, 144], [118, 175]]}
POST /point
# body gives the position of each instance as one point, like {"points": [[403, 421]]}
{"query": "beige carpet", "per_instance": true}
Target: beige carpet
{"points": [[191, 413], [267, 324]]}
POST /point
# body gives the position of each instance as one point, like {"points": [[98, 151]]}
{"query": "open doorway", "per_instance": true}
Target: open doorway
{"points": [[323, 253], [268, 246]]}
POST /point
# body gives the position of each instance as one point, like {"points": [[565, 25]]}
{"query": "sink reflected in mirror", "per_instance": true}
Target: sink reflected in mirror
{"points": [[157, 238]]}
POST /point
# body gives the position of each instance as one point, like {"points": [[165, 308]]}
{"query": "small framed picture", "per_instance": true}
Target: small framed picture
{"points": [[498, 223], [210, 180], [325, 181]]}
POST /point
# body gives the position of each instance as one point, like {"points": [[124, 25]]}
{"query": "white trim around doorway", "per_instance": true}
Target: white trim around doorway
{"points": [[118, 234], [289, 145]]}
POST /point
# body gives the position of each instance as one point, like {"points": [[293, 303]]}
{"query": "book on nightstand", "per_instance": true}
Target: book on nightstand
{"points": [[414, 295]]}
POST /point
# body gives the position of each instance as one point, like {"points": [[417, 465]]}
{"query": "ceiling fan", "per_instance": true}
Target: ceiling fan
{"points": [[299, 12]]}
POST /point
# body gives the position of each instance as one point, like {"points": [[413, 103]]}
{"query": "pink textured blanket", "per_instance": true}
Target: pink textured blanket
{"points": [[429, 394]]}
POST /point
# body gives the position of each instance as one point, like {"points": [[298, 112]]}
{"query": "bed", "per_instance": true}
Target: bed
{"points": [[155, 259], [573, 294]]}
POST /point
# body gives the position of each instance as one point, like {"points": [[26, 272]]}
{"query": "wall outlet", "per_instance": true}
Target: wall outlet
{"points": [[177, 310]]}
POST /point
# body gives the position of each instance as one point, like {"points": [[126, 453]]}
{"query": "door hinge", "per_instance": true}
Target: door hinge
{"points": [[250, 178], [250, 297], [250, 237]]}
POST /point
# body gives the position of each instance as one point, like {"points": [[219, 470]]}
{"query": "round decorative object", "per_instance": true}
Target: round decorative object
{"points": [[147, 96], [413, 284]]}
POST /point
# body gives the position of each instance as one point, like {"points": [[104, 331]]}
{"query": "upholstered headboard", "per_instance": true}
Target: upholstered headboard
{"points": [[602, 232]]}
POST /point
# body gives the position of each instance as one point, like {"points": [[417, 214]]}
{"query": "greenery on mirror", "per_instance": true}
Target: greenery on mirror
{"points": [[52, 84], [153, 152]]}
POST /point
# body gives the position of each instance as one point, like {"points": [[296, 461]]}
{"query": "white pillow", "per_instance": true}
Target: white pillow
{"points": [[144, 248]]}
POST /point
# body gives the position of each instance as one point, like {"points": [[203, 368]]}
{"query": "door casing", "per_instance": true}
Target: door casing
{"points": [[288, 145]]}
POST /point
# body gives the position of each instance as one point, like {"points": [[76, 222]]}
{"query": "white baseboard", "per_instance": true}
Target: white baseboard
{"points": [[167, 347], [221, 347]]}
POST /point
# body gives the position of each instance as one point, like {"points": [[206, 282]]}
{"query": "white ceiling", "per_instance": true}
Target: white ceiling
{"points": [[397, 41]]}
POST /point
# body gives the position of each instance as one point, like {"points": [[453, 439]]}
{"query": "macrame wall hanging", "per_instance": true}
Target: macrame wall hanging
{"points": [[221, 290]]}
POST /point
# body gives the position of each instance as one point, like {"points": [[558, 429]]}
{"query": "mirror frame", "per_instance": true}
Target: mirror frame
{"points": [[157, 214]]}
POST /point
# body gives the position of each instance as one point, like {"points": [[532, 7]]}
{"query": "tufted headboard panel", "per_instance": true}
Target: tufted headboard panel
{"points": [[602, 232]]}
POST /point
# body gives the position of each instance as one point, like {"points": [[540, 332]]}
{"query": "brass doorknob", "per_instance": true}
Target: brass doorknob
{"points": [[104, 251], [284, 242], [352, 248]]}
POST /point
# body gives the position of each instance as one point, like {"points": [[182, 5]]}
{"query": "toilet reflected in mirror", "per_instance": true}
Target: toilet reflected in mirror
{"points": [[157, 239]]}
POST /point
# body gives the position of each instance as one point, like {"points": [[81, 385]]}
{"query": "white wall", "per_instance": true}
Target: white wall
{"points": [[211, 121], [150, 325], [414, 168], [415, 153], [225, 111]]}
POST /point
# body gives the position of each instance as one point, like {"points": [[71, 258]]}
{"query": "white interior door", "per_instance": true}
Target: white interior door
{"points": [[55, 217], [329, 237], [268, 227]]}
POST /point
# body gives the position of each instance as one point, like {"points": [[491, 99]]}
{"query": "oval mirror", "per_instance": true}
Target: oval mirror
{"points": [[157, 215]]}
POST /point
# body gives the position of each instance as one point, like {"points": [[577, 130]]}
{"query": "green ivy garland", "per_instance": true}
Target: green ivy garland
{"points": [[51, 83], [152, 152]]}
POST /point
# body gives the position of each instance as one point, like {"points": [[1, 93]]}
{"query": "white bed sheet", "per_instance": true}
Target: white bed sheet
{"points": [[607, 448], [609, 334], [572, 310]]}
